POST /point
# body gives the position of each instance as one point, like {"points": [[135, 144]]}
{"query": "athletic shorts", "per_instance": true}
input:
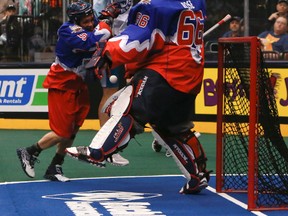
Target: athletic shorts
{"points": [[157, 103], [67, 111]]}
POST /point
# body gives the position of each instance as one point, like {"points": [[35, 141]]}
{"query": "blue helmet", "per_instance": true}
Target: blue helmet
{"points": [[78, 9]]}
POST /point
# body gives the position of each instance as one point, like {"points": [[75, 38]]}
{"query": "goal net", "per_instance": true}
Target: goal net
{"points": [[252, 155]]}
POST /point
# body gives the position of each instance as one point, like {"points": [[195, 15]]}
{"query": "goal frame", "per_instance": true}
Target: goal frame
{"points": [[255, 46]]}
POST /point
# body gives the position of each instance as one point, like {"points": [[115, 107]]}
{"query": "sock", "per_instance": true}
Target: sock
{"points": [[34, 149], [58, 159]]}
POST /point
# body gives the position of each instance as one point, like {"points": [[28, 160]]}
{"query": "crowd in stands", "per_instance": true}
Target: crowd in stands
{"points": [[8, 45], [274, 37], [23, 35]]}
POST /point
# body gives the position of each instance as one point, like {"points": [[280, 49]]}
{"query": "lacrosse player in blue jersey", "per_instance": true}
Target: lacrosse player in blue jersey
{"points": [[68, 96]]}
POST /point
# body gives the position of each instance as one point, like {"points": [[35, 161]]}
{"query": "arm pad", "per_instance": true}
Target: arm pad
{"points": [[99, 60]]}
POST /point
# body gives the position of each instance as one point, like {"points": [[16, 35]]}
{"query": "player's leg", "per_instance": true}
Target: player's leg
{"points": [[108, 90], [190, 157], [113, 136], [54, 170], [28, 156], [66, 119], [62, 134], [170, 117]]}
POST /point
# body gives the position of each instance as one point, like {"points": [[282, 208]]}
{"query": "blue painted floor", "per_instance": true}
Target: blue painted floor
{"points": [[148, 195]]}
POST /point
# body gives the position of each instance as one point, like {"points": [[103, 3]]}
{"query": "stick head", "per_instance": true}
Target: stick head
{"points": [[227, 17]]}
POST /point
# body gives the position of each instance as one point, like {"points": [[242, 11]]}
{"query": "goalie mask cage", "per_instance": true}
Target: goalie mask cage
{"points": [[251, 153]]}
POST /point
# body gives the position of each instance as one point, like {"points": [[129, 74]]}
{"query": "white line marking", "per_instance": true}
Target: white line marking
{"points": [[109, 177], [235, 201]]}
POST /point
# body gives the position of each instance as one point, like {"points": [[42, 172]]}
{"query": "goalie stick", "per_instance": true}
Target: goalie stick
{"points": [[223, 20]]}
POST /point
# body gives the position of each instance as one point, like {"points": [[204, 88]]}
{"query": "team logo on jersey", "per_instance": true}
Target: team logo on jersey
{"points": [[145, 2], [76, 28], [83, 36], [188, 4], [115, 202]]}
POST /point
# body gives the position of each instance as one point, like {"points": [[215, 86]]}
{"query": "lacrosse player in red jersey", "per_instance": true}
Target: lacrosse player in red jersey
{"points": [[162, 49]]}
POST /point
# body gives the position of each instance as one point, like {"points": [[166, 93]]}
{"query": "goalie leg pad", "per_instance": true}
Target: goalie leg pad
{"points": [[191, 139], [115, 133], [119, 103], [190, 158], [112, 137], [182, 153]]}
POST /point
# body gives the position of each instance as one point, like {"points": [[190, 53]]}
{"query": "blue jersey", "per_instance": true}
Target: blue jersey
{"points": [[75, 43], [166, 36], [274, 42], [74, 47]]}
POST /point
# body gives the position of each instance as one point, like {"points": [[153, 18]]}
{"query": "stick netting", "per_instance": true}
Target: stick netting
{"points": [[271, 166]]}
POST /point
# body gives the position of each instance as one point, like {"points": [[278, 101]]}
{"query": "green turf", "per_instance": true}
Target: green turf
{"points": [[143, 160]]}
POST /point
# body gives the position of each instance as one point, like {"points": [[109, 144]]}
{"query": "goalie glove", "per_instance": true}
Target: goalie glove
{"points": [[111, 11], [99, 61]]}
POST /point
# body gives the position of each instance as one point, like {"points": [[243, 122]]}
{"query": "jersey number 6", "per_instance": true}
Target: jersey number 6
{"points": [[190, 28]]}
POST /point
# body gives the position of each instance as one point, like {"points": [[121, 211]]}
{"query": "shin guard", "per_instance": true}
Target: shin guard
{"points": [[191, 139], [113, 136], [188, 155], [115, 133]]}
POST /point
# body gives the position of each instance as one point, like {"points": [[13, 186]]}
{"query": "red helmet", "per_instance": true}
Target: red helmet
{"points": [[78, 9]]}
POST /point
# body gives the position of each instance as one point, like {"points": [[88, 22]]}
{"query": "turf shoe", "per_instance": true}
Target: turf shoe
{"points": [[82, 153], [27, 162], [55, 173], [156, 146], [117, 160], [191, 187]]}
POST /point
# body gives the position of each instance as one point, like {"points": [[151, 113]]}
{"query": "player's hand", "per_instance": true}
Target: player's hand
{"points": [[111, 11], [273, 16], [99, 62]]}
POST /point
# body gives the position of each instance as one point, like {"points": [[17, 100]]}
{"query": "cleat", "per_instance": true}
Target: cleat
{"points": [[156, 146], [27, 162], [82, 153], [117, 160], [55, 173]]}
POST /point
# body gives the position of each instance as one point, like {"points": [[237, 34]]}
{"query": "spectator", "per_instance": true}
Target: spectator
{"points": [[36, 43], [10, 10], [9, 33], [281, 10], [276, 39], [235, 28]]}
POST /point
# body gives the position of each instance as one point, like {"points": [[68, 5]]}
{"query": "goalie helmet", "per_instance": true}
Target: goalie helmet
{"points": [[79, 9]]}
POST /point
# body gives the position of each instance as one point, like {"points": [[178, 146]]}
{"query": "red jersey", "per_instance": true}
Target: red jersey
{"points": [[169, 43]]}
